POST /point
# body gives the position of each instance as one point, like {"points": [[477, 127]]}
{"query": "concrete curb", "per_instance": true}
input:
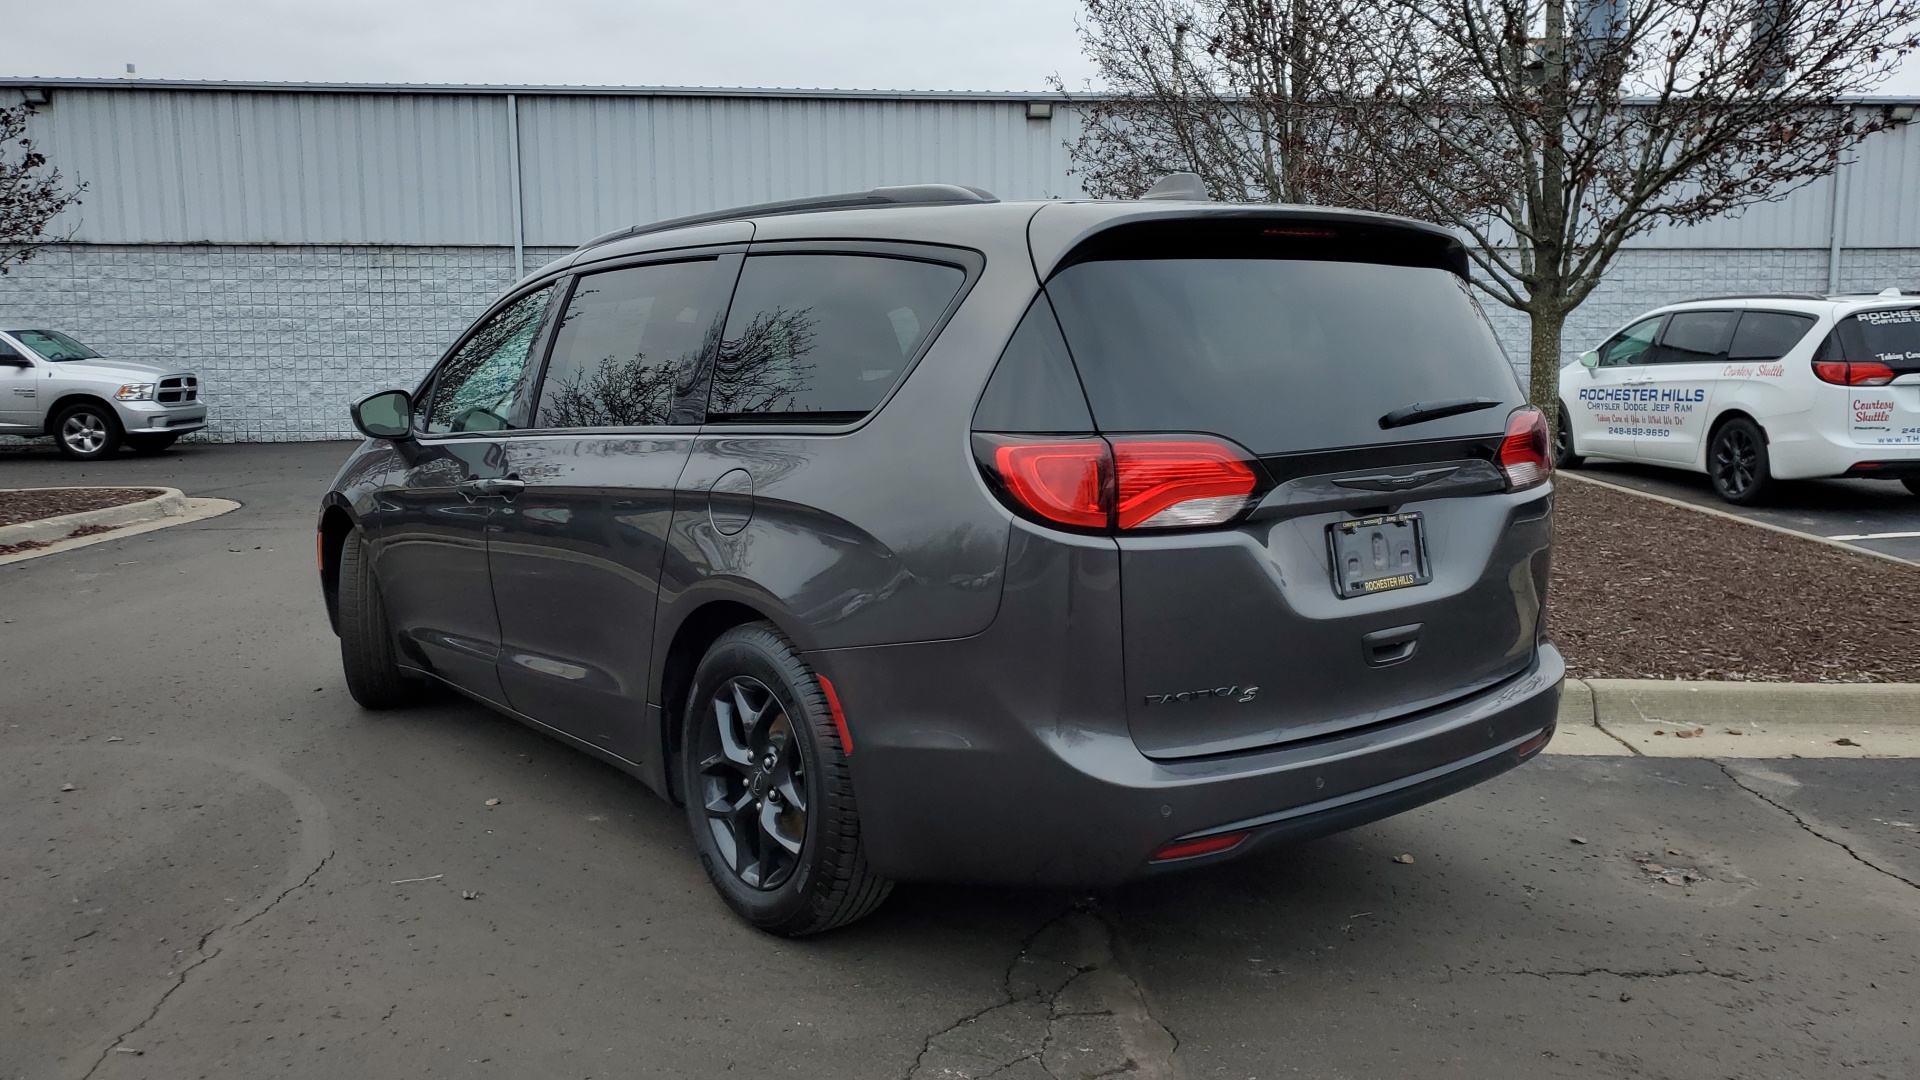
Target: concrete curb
{"points": [[188, 511], [1649, 716], [169, 503], [1769, 526]]}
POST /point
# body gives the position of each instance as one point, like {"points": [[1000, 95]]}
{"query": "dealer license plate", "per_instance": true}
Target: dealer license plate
{"points": [[1378, 554]]}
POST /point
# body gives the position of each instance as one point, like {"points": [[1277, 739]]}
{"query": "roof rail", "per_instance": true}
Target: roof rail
{"points": [[907, 195], [1760, 296]]}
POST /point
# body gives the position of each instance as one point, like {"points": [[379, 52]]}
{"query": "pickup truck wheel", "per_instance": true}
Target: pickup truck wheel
{"points": [[366, 640], [769, 795], [87, 431], [150, 444]]}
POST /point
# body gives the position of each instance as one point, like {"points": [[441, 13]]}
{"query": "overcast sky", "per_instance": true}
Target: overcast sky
{"points": [[847, 44]]}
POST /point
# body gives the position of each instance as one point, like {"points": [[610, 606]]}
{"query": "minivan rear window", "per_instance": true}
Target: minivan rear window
{"points": [[1280, 355], [1890, 336]]}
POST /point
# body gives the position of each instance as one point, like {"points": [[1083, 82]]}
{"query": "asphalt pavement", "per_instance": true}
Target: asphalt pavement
{"points": [[251, 876], [1879, 515]]}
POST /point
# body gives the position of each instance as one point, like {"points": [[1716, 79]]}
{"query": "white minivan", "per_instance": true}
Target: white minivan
{"points": [[1752, 389]]}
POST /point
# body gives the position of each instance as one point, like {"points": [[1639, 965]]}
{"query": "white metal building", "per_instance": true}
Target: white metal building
{"points": [[299, 245]]}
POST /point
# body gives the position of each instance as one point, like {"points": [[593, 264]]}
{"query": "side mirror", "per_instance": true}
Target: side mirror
{"points": [[386, 415], [14, 359], [1590, 359]]}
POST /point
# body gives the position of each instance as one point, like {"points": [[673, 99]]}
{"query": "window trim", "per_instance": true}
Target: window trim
{"points": [[968, 261], [530, 409], [421, 400]]}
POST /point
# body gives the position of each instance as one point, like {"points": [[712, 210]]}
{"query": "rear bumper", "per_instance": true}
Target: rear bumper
{"points": [[955, 786], [1820, 454]]}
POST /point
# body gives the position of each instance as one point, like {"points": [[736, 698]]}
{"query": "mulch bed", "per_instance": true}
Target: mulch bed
{"points": [[18, 506], [1644, 590]]}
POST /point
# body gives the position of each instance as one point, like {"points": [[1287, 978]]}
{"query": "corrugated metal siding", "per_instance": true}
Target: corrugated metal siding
{"points": [[594, 164], [179, 165]]}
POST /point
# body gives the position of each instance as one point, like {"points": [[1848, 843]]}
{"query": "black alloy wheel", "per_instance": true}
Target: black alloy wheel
{"points": [[1737, 462], [768, 790], [753, 783], [1563, 455]]}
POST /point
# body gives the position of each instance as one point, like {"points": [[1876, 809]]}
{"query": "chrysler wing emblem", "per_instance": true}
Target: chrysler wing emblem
{"points": [[1397, 481]]}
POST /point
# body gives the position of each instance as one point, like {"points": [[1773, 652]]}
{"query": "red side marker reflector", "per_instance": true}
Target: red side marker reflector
{"points": [[1531, 745], [839, 718], [1205, 845]]}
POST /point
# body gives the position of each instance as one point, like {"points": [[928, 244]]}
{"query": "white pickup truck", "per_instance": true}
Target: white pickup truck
{"points": [[92, 405]]}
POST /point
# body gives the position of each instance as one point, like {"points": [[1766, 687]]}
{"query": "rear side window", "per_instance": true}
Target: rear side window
{"points": [[824, 338], [628, 346], [1768, 335], [1034, 389], [1696, 337], [1890, 337], [1279, 355]]}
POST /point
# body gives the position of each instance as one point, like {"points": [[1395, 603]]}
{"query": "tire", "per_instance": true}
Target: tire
{"points": [[1912, 483], [757, 739], [1737, 462], [150, 444], [1563, 455], [366, 640], [87, 431]]}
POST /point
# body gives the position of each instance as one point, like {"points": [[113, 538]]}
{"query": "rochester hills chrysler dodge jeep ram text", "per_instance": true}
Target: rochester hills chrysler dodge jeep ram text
{"points": [[916, 535]]}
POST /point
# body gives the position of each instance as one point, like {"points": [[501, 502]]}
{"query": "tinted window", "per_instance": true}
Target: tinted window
{"points": [[824, 337], [54, 345], [1279, 355], [477, 384], [627, 345], [1694, 337], [1768, 335], [1630, 346], [1034, 388], [1890, 337]]}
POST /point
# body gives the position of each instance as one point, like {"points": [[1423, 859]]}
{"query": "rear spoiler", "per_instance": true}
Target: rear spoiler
{"points": [[1240, 232]]}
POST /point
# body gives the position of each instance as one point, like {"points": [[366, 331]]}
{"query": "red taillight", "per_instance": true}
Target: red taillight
{"points": [[1844, 374], [1526, 454], [1128, 482], [1205, 845], [1060, 481], [1176, 484]]}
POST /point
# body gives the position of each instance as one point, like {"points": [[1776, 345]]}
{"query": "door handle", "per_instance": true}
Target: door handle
{"points": [[502, 486]]}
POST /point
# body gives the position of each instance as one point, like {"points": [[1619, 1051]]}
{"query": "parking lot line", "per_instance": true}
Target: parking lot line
{"points": [[1875, 536]]}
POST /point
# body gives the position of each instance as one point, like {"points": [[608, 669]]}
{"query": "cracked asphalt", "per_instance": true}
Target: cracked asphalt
{"points": [[249, 876]]}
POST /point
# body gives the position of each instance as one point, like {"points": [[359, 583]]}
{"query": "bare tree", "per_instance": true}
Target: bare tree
{"points": [[1550, 141], [1236, 91], [30, 191], [1547, 136]]}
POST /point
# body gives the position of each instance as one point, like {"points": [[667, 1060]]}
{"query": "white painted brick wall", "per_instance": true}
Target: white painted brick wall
{"points": [[284, 338]]}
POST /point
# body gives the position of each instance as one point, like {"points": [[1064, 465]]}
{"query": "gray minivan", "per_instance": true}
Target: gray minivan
{"points": [[914, 535]]}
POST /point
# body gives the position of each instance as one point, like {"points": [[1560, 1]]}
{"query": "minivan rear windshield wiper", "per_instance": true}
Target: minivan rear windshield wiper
{"points": [[1422, 411]]}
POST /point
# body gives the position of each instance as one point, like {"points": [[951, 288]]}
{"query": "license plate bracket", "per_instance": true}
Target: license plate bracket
{"points": [[1378, 554]]}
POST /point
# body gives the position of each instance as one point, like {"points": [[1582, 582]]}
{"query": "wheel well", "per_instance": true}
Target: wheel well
{"points": [[1735, 414], [335, 527], [690, 643], [70, 399]]}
